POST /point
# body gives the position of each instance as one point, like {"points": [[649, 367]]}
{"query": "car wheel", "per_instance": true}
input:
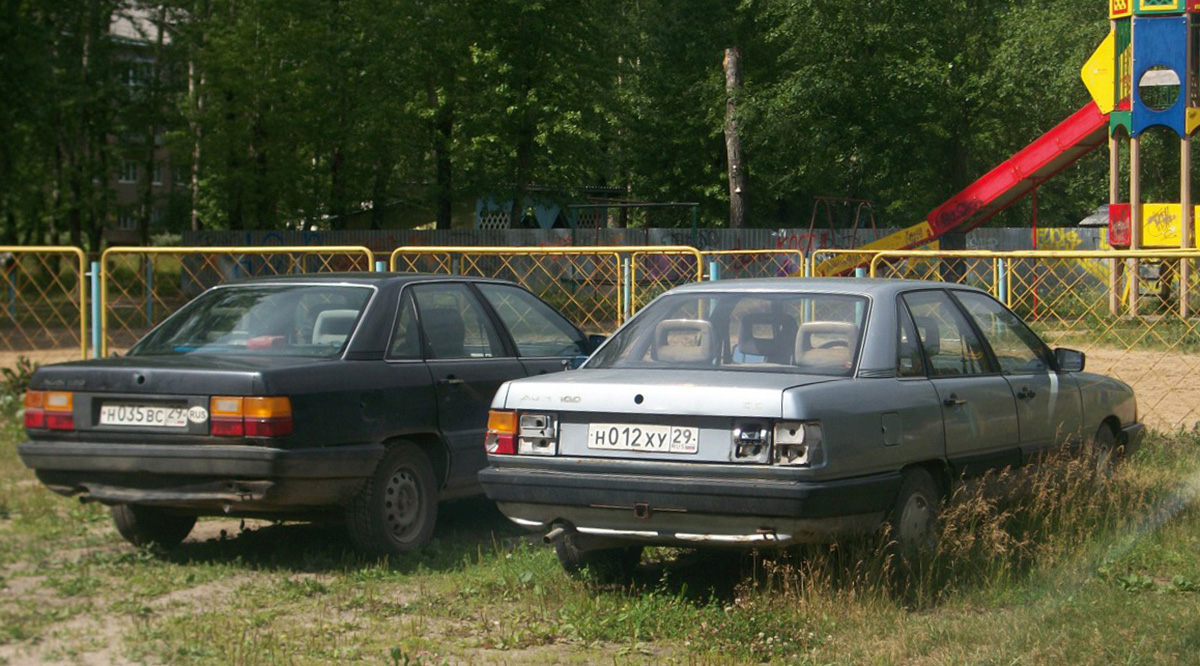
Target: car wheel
{"points": [[146, 526], [395, 511], [913, 520], [605, 565]]}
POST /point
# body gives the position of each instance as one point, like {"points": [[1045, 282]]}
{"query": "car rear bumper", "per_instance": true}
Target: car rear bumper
{"points": [[678, 509], [208, 478]]}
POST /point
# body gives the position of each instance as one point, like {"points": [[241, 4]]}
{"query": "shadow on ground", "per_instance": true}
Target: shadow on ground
{"points": [[464, 527]]}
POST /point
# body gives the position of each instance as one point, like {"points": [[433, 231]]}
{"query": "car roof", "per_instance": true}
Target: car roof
{"points": [[871, 287], [360, 278]]}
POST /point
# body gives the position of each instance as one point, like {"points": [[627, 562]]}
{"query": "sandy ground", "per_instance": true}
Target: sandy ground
{"points": [[1167, 384]]}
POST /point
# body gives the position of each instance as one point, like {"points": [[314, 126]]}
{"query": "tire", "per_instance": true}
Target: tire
{"points": [[912, 521], [149, 526], [396, 509], [604, 566]]}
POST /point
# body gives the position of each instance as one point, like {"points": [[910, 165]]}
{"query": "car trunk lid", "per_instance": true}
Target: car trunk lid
{"points": [[682, 416]]}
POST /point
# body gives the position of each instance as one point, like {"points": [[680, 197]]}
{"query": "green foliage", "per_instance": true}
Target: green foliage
{"points": [[304, 112], [13, 383]]}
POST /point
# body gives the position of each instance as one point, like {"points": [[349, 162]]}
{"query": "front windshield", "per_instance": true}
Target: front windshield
{"points": [[280, 320], [775, 332]]}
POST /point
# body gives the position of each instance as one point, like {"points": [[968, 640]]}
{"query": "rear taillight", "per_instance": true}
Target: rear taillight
{"points": [[799, 443], [52, 410], [237, 416], [513, 433], [501, 439]]}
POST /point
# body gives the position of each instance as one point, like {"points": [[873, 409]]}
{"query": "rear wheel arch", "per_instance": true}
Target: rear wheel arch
{"points": [[433, 447], [939, 470]]}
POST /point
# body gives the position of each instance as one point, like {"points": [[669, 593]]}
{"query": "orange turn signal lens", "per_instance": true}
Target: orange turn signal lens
{"points": [[59, 401], [225, 406], [267, 408], [34, 399], [502, 422]]}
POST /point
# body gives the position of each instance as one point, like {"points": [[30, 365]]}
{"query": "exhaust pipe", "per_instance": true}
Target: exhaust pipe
{"points": [[556, 532]]}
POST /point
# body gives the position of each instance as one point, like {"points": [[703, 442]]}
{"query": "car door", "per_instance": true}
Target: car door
{"points": [[545, 340], [979, 414], [1049, 409], [468, 362]]}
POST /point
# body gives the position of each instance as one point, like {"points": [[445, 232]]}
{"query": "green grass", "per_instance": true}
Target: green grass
{"points": [[1065, 571]]}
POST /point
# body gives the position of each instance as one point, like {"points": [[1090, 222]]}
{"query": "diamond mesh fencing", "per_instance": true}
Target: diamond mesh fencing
{"points": [[655, 271], [1132, 313], [834, 262], [43, 300], [740, 264], [140, 287], [595, 287]]}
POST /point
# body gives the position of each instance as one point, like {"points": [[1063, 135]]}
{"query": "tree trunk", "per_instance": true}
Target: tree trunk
{"points": [[442, 134], [733, 140]]}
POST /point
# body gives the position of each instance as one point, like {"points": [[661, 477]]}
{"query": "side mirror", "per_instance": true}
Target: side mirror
{"points": [[594, 341], [1069, 360]]}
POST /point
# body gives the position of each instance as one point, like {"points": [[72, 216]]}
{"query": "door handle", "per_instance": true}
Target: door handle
{"points": [[453, 381], [1025, 393], [953, 401]]}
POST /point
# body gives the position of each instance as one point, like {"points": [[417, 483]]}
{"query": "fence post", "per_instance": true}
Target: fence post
{"points": [[380, 266], [95, 289], [626, 289], [860, 272], [149, 291], [1001, 282], [714, 271]]}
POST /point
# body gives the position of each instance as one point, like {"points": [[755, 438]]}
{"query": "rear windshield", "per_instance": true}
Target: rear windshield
{"points": [[774, 332], [280, 320]]}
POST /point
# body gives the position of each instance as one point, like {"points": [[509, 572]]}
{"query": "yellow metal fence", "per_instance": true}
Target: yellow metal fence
{"points": [[596, 287], [737, 264], [1133, 313], [43, 300], [141, 286]]}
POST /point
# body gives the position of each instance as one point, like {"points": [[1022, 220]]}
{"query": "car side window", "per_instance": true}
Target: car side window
{"points": [[454, 323], [534, 326], [910, 362], [406, 338], [950, 345], [1017, 349]]}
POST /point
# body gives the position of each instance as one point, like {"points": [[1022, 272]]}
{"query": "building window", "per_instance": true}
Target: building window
{"points": [[139, 73], [180, 176], [158, 175], [129, 172], [127, 219]]}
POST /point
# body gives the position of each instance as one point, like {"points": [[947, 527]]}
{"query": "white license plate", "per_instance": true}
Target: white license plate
{"points": [[143, 415], [640, 437]]}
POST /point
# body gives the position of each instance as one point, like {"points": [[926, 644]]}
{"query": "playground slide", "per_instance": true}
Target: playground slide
{"points": [[1078, 135]]}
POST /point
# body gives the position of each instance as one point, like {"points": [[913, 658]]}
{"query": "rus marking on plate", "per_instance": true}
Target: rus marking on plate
{"points": [[197, 414]]}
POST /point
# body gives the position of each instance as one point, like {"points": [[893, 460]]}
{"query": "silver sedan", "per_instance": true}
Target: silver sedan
{"points": [[771, 412]]}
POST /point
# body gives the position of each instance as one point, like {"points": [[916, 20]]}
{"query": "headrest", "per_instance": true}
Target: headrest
{"points": [[683, 341], [332, 326]]}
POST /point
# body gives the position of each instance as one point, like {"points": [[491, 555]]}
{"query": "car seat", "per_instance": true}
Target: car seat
{"points": [[333, 326], [766, 335]]}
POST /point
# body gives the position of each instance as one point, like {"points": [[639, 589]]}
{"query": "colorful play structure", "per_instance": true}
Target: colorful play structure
{"points": [[1142, 75]]}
